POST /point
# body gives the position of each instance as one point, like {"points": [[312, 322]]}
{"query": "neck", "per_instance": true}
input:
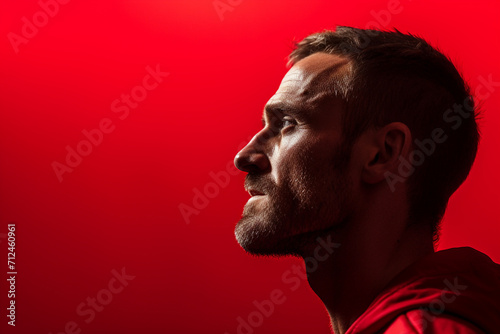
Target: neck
{"points": [[368, 255]]}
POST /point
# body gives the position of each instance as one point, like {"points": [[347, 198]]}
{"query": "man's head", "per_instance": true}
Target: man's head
{"points": [[355, 106]]}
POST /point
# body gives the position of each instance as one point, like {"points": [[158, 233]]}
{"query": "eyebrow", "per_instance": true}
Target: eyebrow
{"points": [[276, 108]]}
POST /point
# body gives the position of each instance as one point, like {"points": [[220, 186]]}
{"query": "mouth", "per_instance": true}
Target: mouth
{"points": [[254, 192]]}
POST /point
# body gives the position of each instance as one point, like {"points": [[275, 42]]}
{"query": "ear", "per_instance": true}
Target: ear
{"points": [[387, 145]]}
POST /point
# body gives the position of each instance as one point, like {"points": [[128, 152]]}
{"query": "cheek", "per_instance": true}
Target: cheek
{"points": [[286, 159], [302, 162]]}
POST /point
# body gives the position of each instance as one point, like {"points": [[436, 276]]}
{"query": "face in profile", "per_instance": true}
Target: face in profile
{"points": [[298, 169]]}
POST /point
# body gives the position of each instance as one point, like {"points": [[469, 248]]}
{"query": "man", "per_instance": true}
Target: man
{"points": [[362, 145]]}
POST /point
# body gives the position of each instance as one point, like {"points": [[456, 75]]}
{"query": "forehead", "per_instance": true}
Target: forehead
{"points": [[311, 81]]}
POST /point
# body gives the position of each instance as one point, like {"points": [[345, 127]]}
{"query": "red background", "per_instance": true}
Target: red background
{"points": [[119, 208]]}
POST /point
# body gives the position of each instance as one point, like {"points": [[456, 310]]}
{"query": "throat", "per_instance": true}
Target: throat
{"points": [[344, 290]]}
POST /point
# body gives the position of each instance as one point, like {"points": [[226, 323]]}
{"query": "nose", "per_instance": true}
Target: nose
{"points": [[252, 158]]}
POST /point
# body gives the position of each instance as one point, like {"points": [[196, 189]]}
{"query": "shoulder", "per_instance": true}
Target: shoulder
{"points": [[421, 321]]}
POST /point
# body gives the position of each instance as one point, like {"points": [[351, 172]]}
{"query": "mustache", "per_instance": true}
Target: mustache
{"points": [[259, 183]]}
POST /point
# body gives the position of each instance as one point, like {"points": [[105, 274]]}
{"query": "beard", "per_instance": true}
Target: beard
{"points": [[308, 203]]}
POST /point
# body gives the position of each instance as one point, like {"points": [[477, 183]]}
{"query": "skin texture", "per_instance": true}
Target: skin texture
{"points": [[307, 183]]}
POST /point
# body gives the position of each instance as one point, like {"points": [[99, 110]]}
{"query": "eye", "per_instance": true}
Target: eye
{"points": [[287, 121], [279, 123]]}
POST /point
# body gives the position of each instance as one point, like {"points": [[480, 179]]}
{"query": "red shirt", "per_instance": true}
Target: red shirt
{"points": [[451, 291]]}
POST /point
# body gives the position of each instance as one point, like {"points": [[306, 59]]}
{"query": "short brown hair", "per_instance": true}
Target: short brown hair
{"points": [[398, 77]]}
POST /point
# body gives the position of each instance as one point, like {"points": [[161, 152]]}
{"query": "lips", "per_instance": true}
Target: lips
{"points": [[254, 192]]}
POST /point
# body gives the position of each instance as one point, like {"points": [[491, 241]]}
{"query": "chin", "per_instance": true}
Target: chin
{"points": [[258, 236], [281, 224], [267, 238]]}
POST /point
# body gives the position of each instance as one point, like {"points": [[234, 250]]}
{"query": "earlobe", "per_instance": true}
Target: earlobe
{"points": [[387, 145]]}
